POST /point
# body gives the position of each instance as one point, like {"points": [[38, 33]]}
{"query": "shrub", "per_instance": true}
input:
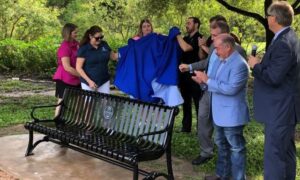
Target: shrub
{"points": [[19, 57], [37, 57]]}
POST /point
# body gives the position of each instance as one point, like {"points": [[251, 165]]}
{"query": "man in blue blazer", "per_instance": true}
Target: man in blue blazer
{"points": [[227, 84], [275, 94]]}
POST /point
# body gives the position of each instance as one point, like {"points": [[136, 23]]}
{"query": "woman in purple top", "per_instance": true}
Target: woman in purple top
{"points": [[66, 74]]}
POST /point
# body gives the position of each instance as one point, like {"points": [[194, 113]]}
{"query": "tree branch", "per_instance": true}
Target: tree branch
{"points": [[295, 4], [243, 12], [14, 26]]}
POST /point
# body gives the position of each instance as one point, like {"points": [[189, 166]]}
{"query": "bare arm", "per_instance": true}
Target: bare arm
{"points": [[202, 53], [67, 66], [79, 65], [203, 49], [183, 45]]}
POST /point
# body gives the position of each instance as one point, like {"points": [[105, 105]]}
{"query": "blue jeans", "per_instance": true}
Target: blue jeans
{"points": [[231, 152]]}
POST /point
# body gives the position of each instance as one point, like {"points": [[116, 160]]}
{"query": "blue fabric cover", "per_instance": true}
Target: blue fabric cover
{"points": [[154, 56]]}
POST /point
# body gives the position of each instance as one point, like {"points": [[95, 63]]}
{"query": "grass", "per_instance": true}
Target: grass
{"points": [[16, 110], [7, 86]]}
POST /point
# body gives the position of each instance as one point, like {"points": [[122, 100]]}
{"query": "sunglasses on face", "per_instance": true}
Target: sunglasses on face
{"points": [[98, 38]]}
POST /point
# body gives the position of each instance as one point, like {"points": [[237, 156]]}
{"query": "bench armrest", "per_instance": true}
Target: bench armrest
{"points": [[41, 107], [152, 133]]}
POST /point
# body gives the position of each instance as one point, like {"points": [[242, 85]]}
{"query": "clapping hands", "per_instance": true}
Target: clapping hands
{"points": [[200, 77]]}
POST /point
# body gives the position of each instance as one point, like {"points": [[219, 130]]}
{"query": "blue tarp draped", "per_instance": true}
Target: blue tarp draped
{"points": [[153, 57]]}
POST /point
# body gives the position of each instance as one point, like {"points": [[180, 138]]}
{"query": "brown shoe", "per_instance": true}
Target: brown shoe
{"points": [[212, 178]]}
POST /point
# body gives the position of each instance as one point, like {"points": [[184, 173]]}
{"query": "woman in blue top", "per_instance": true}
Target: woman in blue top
{"points": [[92, 61]]}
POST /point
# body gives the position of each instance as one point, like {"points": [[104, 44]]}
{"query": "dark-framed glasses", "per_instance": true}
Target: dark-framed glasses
{"points": [[98, 38]]}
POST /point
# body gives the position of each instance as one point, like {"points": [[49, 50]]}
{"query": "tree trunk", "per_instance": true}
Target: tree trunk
{"points": [[269, 37]]}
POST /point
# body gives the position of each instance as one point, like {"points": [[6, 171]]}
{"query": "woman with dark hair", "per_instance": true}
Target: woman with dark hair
{"points": [[66, 74], [92, 61]]}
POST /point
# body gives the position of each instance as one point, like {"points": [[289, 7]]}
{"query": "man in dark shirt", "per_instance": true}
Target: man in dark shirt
{"points": [[190, 89]]}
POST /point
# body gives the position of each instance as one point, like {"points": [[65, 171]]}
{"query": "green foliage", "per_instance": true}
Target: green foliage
{"points": [[119, 19], [36, 57], [58, 3], [27, 19]]}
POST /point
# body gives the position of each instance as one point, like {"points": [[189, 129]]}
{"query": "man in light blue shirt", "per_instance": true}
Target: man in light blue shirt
{"points": [[205, 125], [227, 84]]}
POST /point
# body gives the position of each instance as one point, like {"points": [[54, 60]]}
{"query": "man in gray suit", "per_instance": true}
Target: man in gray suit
{"points": [[205, 125]]}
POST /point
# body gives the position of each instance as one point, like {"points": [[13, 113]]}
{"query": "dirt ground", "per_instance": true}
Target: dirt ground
{"points": [[12, 130]]}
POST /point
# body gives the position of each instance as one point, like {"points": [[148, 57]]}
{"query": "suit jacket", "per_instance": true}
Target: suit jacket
{"points": [[275, 79], [298, 84], [229, 91]]}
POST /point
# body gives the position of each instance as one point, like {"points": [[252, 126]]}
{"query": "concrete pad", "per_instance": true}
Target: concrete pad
{"points": [[51, 161]]}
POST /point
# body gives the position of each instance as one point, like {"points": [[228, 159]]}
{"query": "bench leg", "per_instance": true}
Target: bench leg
{"points": [[135, 172], [30, 144], [169, 163]]}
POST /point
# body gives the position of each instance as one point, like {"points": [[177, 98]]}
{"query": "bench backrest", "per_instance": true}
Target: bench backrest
{"points": [[94, 111]]}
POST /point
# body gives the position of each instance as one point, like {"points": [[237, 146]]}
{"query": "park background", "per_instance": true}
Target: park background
{"points": [[30, 33]]}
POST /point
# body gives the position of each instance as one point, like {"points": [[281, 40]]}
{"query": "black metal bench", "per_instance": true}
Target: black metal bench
{"points": [[116, 129]]}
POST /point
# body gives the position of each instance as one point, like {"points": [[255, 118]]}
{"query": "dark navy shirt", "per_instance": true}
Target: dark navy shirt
{"points": [[96, 62]]}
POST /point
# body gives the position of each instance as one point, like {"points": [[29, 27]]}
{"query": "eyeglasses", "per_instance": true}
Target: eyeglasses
{"points": [[98, 38]]}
